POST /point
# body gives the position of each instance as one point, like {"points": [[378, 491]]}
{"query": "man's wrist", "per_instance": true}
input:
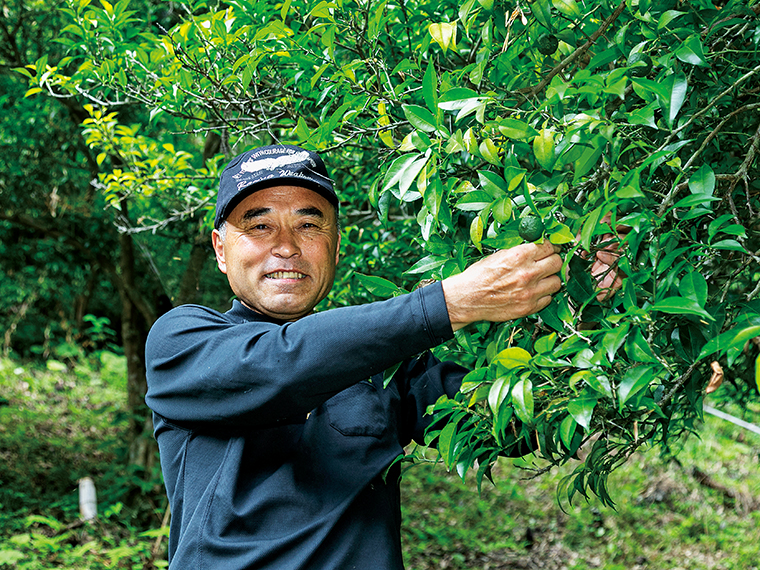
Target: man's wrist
{"points": [[452, 292]]}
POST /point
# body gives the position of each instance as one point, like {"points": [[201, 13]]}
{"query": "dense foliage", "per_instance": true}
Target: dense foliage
{"points": [[628, 128]]}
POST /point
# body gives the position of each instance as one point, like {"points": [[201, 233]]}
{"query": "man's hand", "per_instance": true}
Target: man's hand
{"points": [[506, 285], [609, 278]]}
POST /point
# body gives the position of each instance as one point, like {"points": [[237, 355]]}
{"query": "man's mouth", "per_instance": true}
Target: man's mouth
{"points": [[285, 275]]}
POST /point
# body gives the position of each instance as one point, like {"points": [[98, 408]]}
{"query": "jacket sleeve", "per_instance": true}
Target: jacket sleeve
{"points": [[205, 369]]}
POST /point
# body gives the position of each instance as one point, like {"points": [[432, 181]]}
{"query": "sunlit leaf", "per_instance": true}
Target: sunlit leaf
{"points": [[379, 286], [498, 393], [691, 51], [543, 149], [444, 34], [419, 117], [514, 357], [522, 400], [567, 7], [634, 380], [582, 409]]}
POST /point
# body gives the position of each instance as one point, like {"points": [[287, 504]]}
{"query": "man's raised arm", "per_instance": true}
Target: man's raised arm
{"points": [[508, 284]]}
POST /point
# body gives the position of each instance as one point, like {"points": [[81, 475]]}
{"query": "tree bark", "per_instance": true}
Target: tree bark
{"points": [[189, 288], [134, 332]]}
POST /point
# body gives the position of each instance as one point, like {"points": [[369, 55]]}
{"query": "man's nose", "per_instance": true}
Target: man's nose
{"points": [[286, 244]]}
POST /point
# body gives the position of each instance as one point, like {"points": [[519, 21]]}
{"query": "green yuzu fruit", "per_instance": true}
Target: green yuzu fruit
{"points": [[531, 228], [643, 69], [547, 44]]}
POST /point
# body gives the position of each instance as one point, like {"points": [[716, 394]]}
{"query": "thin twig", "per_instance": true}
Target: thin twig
{"points": [[679, 383], [578, 52]]}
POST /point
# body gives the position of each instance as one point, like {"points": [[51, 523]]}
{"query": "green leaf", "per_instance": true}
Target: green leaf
{"points": [[667, 17], [543, 149], [379, 286], [476, 231], [757, 372], [502, 210], [681, 306], [420, 118], [543, 13], [403, 172], [567, 430], [516, 129], [702, 182], [474, 201], [696, 200], [691, 51], [567, 7], [633, 381], [446, 442], [644, 116], [456, 98], [522, 400], [514, 177], [444, 34], [598, 383], [430, 88], [492, 183], [729, 244], [728, 340], [637, 348], [677, 85], [489, 151], [545, 343], [590, 157], [694, 286], [582, 409], [590, 226], [498, 393], [425, 264], [560, 234], [514, 357]]}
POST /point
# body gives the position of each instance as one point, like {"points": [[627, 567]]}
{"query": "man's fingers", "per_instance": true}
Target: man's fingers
{"points": [[549, 265], [545, 249], [543, 302]]}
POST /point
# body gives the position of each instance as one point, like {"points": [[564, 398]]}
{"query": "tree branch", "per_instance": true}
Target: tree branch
{"points": [[578, 52]]}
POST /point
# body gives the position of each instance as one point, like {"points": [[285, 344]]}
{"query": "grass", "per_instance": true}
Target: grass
{"points": [[699, 511], [667, 516]]}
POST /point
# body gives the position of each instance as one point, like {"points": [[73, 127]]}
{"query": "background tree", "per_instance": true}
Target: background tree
{"points": [[598, 126]]}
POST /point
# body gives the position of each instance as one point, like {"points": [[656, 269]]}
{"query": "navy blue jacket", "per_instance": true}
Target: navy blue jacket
{"points": [[275, 437]]}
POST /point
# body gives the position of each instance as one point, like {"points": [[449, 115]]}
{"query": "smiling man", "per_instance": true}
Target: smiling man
{"points": [[274, 426]]}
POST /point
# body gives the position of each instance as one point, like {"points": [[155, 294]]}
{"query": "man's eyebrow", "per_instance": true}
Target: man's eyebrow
{"points": [[254, 213], [310, 211]]}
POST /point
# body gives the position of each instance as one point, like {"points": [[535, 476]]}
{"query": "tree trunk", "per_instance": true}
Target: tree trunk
{"points": [[134, 331], [190, 285]]}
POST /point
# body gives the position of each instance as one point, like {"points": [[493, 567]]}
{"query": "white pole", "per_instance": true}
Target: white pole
{"points": [[88, 499], [733, 419]]}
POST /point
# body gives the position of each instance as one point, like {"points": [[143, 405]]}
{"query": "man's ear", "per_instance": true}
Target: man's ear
{"points": [[337, 250], [218, 243]]}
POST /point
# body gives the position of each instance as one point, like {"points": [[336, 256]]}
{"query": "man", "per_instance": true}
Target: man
{"points": [[274, 428]]}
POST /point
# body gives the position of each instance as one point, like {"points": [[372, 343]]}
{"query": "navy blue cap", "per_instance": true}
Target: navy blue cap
{"points": [[267, 166]]}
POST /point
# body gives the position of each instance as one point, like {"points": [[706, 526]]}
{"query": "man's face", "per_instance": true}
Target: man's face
{"points": [[280, 251]]}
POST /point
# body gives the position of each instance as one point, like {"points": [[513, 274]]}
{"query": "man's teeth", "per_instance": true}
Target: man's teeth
{"points": [[286, 275]]}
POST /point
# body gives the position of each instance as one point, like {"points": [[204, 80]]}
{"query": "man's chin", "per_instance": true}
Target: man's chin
{"points": [[282, 311]]}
